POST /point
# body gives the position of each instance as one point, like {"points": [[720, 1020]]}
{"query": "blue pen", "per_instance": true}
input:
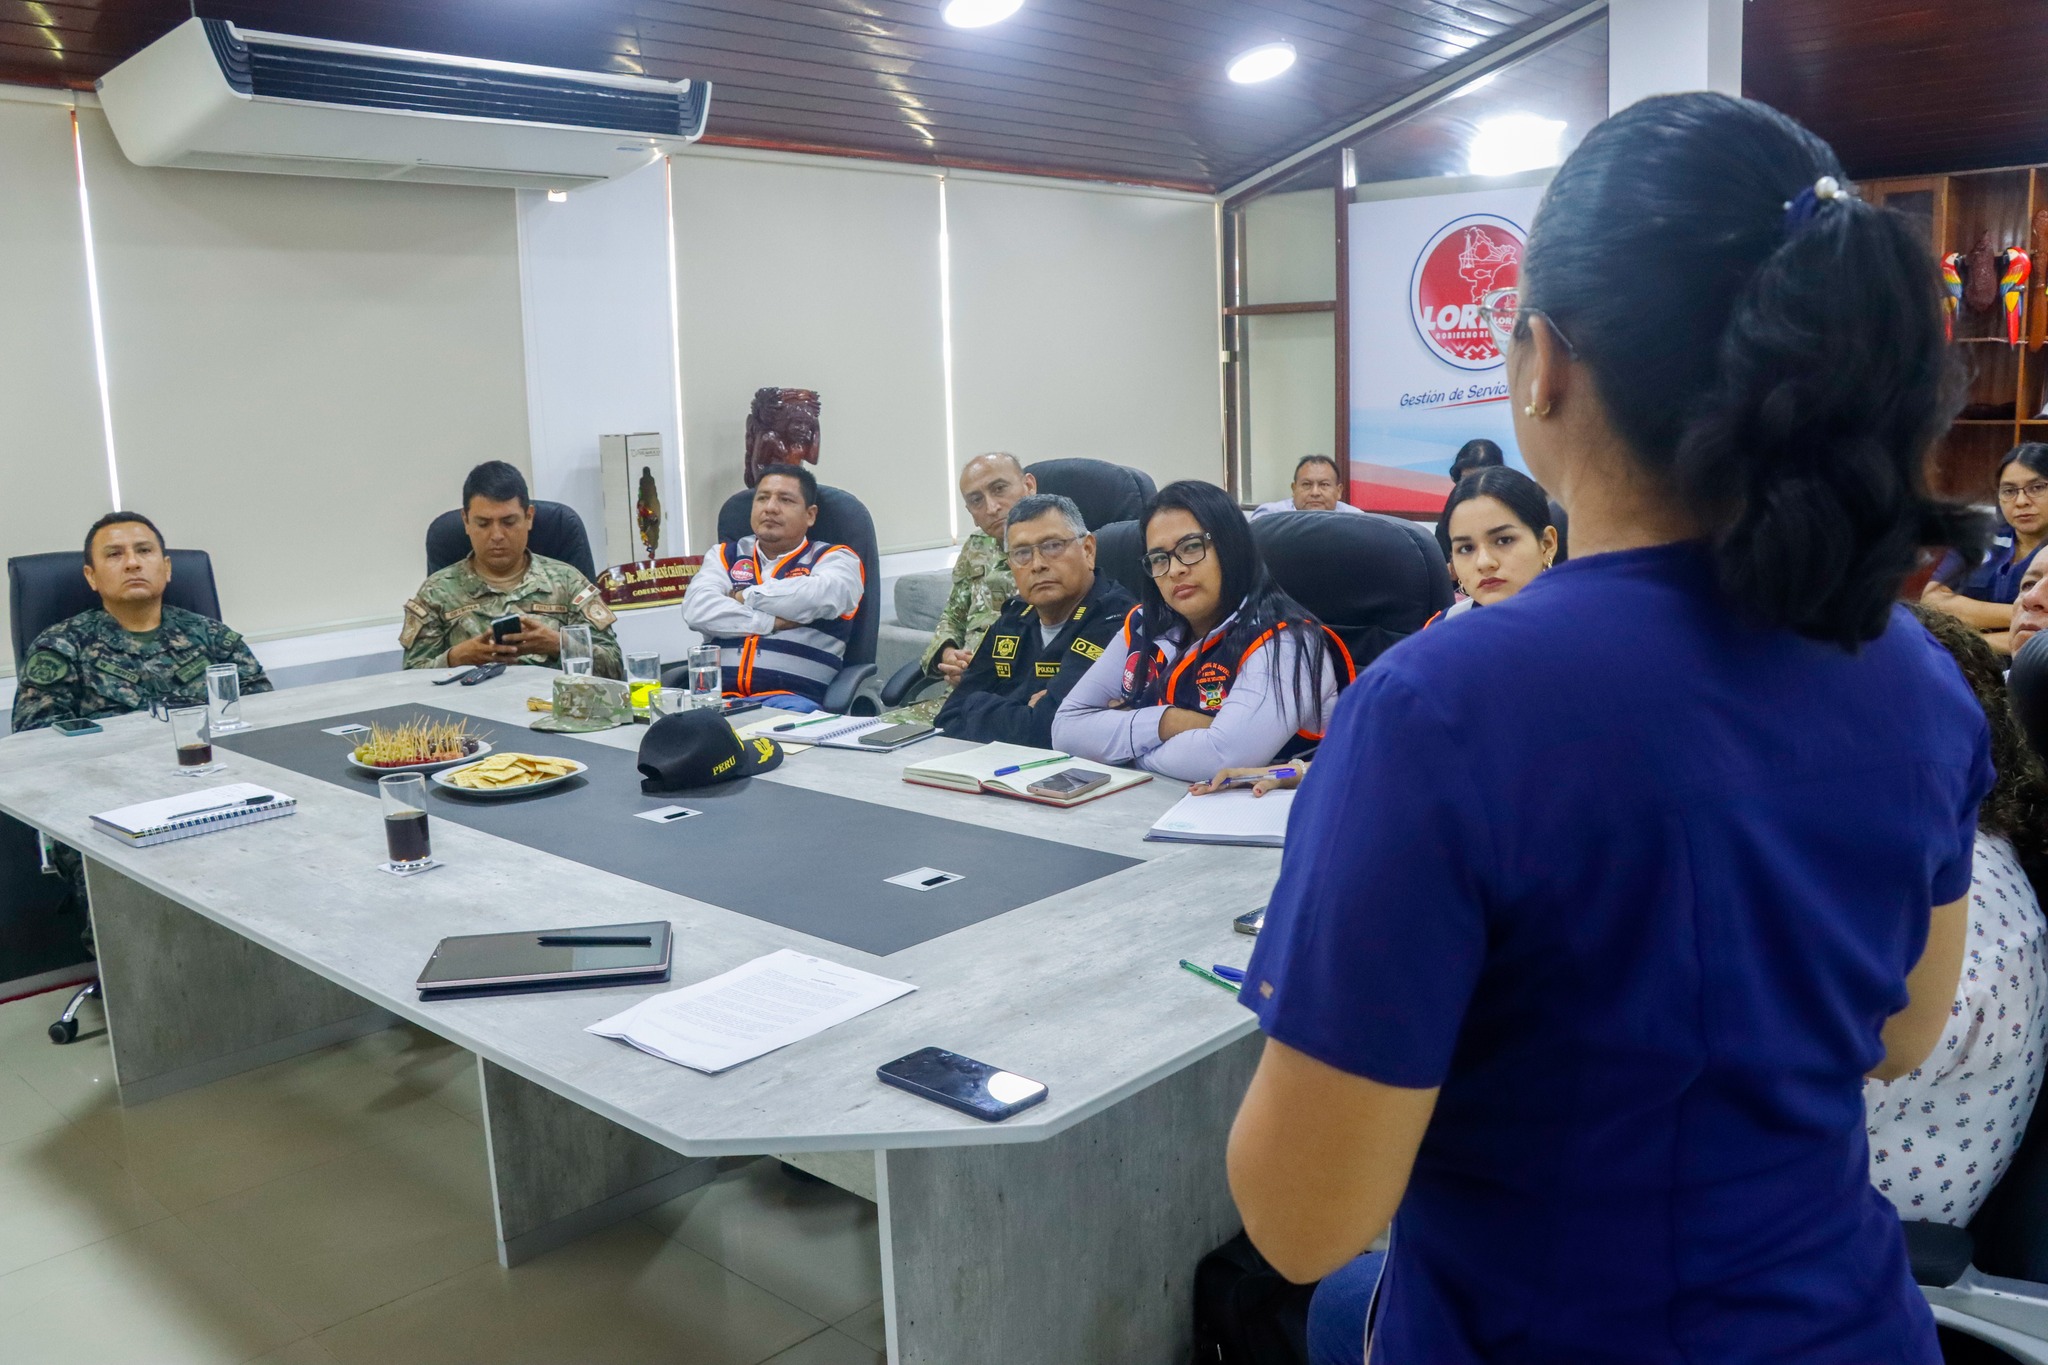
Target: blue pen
{"points": [[1277, 774], [1035, 763], [1234, 975]]}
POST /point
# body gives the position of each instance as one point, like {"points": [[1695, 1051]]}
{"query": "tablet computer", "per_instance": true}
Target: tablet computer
{"points": [[544, 959]]}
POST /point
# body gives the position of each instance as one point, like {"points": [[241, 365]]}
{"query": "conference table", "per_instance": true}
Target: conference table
{"points": [[1067, 1234]]}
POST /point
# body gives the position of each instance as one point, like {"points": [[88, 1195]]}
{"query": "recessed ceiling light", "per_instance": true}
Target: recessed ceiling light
{"points": [[978, 13], [1261, 63], [1514, 142]]}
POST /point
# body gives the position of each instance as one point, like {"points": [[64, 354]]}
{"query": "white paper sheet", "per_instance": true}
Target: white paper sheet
{"points": [[749, 1011]]}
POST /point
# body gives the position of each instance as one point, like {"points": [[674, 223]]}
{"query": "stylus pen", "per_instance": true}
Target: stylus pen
{"points": [[1208, 976], [594, 940], [1034, 763], [800, 724]]}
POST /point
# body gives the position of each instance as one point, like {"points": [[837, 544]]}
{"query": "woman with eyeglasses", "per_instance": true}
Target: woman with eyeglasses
{"points": [[1215, 667], [1596, 909], [1983, 596]]}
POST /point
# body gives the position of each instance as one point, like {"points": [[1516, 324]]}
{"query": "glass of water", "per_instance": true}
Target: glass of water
{"points": [[403, 797], [705, 684], [576, 657], [643, 676], [224, 698]]}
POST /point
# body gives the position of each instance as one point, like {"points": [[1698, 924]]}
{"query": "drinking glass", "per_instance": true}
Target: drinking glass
{"points": [[224, 698], [576, 658], [643, 676], [193, 739], [706, 686], [404, 799]]}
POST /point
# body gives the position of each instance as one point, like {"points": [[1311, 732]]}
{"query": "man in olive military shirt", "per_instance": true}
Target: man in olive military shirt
{"points": [[131, 651], [448, 622], [990, 485], [1046, 637]]}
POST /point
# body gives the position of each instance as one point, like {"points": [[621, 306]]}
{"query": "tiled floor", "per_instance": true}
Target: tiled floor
{"points": [[335, 1209]]}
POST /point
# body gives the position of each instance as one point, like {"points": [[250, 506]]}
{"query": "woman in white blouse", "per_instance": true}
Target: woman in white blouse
{"points": [[1942, 1135]]}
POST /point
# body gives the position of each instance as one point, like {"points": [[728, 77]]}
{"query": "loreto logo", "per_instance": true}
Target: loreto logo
{"points": [[1466, 260]]}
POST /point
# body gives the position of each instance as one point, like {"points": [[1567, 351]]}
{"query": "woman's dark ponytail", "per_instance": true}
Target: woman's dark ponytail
{"points": [[1774, 355]]}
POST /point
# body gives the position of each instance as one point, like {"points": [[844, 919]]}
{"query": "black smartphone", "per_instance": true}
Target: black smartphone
{"points": [[1250, 922], [733, 706], [958, 1082], [75, 727], [895, 736], [1068, 782], [503, 626]]}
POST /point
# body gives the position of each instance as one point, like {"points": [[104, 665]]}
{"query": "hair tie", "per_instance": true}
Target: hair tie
{"points": [[1801, 209]]}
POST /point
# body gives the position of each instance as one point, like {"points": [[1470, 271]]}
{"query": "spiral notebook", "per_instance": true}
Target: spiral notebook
{"points": [[200, 812]]}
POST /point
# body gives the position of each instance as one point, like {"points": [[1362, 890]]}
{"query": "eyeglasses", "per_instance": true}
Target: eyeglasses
{"points": [[1500, 308], [1188, 550], [2035, 491], [1051, 549]]}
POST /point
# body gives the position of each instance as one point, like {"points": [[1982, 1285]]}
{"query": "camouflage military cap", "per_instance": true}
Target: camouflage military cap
{"points": [[585, 703]]}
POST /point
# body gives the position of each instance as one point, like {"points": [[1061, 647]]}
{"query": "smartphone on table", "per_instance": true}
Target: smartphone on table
{"points": [[1068, 782], [75, 727], [895, 736], [974, 1088]]}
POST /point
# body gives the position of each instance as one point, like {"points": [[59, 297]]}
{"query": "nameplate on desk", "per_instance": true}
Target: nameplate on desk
{"points": [[648, 583]]}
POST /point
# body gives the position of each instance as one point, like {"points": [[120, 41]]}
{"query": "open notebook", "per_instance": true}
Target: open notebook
{"points": [[200, 812], [975, 771]]}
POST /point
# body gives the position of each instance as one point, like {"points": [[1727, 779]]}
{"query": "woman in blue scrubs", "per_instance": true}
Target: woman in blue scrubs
{"points": [[1983, 596], [1583, 974]]}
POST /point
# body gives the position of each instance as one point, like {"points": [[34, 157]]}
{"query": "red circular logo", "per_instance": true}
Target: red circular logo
{"points": [[1466, 260]]}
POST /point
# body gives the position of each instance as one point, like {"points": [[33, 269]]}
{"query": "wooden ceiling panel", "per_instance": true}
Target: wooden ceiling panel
{"points": [[1902, 87], [1123, 89]]}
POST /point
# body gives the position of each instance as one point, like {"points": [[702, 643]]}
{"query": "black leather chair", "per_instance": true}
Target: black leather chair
{"points": [[47, 588], [41, 591], [842, 520], [1990, 1280], [557, 533], [1371, 579], [1120, 553], [1103, 491]]}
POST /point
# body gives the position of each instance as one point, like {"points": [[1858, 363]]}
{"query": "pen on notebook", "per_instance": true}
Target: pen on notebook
{"points": [[594, 940], [1246, 781], [800, 724], [1209, 976], [1034, 763], [1234, 975], [262, 800]]}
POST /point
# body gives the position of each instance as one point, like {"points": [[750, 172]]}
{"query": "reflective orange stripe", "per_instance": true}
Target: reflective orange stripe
{"points": [[1344, 653], [746, 669]]}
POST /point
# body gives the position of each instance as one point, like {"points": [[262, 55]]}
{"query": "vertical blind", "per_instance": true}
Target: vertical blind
{"points": [[302, 370], [1085, 323], [53, 460], [807, 276]]}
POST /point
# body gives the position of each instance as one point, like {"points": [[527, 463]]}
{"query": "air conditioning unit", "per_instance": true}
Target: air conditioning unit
{"points": [[210, 96]]}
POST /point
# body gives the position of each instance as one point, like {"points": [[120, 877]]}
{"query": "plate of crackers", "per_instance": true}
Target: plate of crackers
{"points": [[507, 775]]}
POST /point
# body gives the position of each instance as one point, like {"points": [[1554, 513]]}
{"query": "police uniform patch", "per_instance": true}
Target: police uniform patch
{"points": [[1048, 668], [45, 667], [1002, 670], [1212, 680], [1006, 646], [1087, 649]]}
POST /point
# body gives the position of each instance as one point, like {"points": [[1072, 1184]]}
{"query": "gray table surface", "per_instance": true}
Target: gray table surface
{"points": [[1081, 990]]}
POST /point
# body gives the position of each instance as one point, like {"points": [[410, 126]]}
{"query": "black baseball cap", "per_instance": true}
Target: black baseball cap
{"points": [[698, 748]]}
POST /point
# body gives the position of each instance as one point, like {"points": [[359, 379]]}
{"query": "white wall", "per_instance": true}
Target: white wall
{"points": [[1662, 47], [600, 352]]}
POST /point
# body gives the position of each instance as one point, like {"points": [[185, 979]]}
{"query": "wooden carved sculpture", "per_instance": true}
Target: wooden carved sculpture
{"points": [[782, 428], [1980, 276]]}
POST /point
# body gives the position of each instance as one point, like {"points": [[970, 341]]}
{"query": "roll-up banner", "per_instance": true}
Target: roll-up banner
{"points": [[1426, 376]]}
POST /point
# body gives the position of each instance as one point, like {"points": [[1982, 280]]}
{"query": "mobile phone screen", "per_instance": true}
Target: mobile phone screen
{"points": [[962, 1083], [1070, 782], [75, 727]]}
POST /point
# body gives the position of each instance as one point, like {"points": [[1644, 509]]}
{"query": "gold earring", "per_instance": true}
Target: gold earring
{"points": [[1529, 409]]}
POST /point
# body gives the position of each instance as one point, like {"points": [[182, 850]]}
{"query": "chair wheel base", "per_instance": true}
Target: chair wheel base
{"points": [[64, 1031]]}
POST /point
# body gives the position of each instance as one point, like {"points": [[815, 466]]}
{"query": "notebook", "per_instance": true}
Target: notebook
{"points": [[845, 733], [975, 771], [1227, 817], [200, 812]]}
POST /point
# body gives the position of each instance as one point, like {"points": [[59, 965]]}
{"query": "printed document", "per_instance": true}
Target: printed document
{"points": [[749, 1011]]}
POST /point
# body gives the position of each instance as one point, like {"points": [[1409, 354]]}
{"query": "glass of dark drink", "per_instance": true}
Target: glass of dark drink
{"points": [[194, 740], [404, 798]]}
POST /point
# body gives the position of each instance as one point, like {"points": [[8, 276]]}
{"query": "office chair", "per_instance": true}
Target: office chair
{"points": [[1103, 491], [1120, 553], [45, 589], [842, 520], [557, 533], [1990, 1280], [1371, 579]]}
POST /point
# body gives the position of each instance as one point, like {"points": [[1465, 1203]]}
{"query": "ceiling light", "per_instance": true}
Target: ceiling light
{"points": [[1261, 63], [1514, 142], [558, 196], [978, 13]]}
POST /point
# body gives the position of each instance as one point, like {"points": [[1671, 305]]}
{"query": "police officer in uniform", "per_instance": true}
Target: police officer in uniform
{"points": [[448, 622], [1047, 636], [131, 651]]}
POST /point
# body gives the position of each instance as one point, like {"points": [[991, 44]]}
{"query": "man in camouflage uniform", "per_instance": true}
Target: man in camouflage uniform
{"points": [[990, 485], [448, 622], [126, 654], [131, 651]]}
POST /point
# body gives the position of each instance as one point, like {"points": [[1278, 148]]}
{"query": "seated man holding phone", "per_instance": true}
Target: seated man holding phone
{"points": [[1048, 635], [504, 604]]}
